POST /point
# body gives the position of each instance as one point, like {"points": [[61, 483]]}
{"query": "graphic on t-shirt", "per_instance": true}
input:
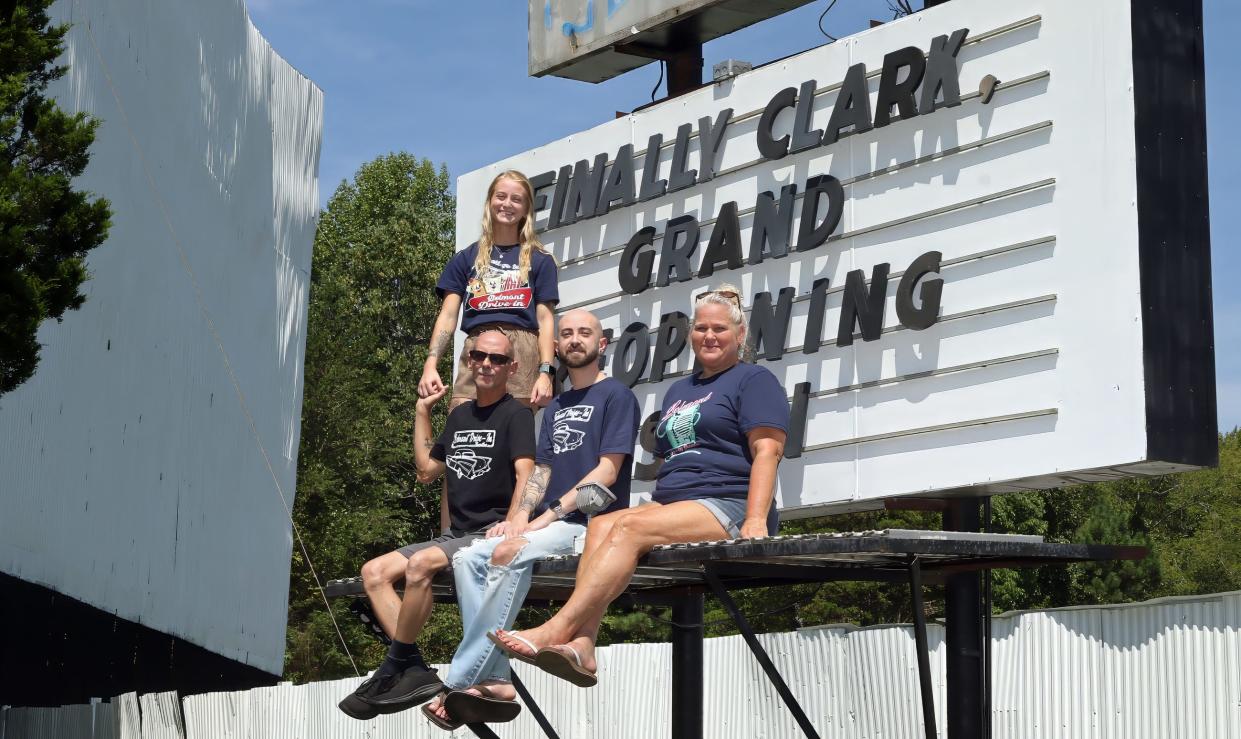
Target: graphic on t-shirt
{"points": [[679, 426], [581, 413], [467, 464], [474, 437], [500, 288], [566, 438]]}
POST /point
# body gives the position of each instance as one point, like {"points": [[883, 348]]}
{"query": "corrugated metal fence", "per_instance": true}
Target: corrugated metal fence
{"points": [[1169, 668]]}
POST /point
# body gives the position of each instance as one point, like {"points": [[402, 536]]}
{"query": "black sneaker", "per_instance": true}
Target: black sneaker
{"points": [[355, 707], [412, 687]]}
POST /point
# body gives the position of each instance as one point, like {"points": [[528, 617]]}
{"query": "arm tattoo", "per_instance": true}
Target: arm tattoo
{"points": [[429, 444], [536, 487], [440, 343]]}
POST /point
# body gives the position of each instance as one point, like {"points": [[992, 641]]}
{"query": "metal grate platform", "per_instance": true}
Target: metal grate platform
{"points": [[781, 560]]}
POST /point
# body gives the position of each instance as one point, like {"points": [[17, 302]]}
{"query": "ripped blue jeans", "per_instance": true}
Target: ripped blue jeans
{"points": [[490, 596]]}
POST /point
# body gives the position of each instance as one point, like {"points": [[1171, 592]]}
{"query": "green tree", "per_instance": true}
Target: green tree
{"points": [[46, 227], [380, 245]]}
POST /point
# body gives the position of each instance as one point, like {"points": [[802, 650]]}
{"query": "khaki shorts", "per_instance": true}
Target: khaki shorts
{"points": [[525, 349]]}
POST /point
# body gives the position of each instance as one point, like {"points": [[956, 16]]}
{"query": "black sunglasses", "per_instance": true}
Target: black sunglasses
{"points": [[725, 294], [497, 360]]}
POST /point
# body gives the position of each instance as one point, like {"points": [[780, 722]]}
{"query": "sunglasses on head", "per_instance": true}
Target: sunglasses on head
{"points": [[726, 294], [497, 360]]}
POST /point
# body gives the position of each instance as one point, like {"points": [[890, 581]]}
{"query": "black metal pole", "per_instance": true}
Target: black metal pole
{"points": [[964, 633], [685, 70], [481, 731], [924, 657], [760, 654], [986, 629], [687, 633], [534, 709]]}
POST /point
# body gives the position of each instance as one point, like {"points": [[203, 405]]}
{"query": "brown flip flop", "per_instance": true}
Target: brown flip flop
{"points": [[446, 725], [554, 662], [494, 638], [480, 709]]}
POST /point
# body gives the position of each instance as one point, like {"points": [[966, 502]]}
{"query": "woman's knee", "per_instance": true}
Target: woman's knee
{"points": [[632, 529]]}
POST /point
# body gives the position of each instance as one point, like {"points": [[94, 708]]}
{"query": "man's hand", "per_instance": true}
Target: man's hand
{"points": [[431, 384], [754, 528], [510, 529], [429, 400]]}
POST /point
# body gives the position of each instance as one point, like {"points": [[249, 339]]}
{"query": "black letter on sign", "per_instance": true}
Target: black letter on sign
{"points": [[652, 185], [772, 148], [634, 281], [770, 327], [814, 319], [804, 137], [725, 243], [772, 224], [619, 183], [637, 337], [673, 331], [796, 440], [900, 94], [646, 437], [681, 178], [540, 182], [709, 140], [810, 236], [558, 197], [929, 295], [670, 257], [852, 106], [942, 73], [584, 189], [866, 307]]}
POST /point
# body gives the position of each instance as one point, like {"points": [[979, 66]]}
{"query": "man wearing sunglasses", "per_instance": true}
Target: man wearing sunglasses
{"points": [[587, 438], [485, 455]]}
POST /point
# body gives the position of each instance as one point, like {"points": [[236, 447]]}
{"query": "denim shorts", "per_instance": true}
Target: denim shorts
{"points": [[730, 512], [448, 543]]}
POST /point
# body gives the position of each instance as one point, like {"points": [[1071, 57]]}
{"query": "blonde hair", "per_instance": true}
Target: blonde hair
{"points": [[735, 314], [528, 239]]}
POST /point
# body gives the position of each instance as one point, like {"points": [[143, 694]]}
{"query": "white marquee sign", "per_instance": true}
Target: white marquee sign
{"points": [[982, 298]]}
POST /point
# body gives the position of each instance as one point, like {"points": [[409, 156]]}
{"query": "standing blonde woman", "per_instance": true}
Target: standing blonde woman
{"points": [[721, 436], [505, 281]]}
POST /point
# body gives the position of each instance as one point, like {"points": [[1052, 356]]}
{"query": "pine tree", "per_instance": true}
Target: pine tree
{"points": [[46, 227]]}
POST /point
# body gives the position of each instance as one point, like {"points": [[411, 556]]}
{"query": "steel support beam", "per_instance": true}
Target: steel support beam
{"points": [[964, 633], [534, 709], [924, 657], [760, 654], [687, 698]]}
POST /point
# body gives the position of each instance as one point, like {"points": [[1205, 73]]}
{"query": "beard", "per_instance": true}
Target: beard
{"points": [[577, 361]]}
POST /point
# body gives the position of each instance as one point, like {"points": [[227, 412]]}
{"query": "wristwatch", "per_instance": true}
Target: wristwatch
{"points": [[546, 369], [558, 511]]}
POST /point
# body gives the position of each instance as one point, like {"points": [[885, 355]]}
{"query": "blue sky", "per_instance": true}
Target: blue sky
{"points": [[447, 81]]}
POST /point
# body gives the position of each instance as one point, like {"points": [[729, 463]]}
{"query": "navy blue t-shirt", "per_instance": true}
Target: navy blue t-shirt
{"points": [[702, 432], [579, 426], [500, 296]]}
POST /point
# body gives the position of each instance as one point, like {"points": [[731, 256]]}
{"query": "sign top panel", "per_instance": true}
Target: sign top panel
{"points": [[596, 40]]}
